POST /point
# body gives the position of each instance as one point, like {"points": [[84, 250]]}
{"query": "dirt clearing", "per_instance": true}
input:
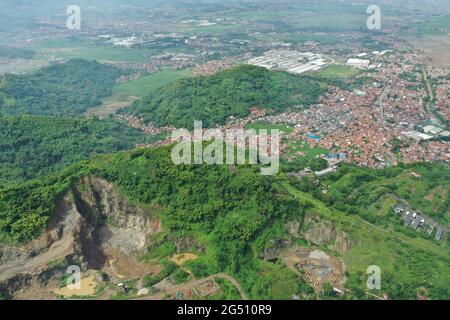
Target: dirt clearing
{"points": [[318, 267], [86, 288], [110, 106], [181, 258]]}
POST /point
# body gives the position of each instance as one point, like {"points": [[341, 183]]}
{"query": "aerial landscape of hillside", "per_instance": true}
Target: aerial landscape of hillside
{"points": [[225, 150]]}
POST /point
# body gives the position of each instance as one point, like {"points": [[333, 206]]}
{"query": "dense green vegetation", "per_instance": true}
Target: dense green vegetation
{"points": [[222, 209], [228, 216], [60, 89], [225, 210], [227, 291], [25, 209], [373, 193], [233, 92], [31, 146], [234, 214], [408, 265]]}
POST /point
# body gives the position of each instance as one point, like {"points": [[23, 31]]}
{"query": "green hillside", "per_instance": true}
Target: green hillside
{"points": [[232, 92], [60, 89], [372, 193], [36, 145], [235, 215]]}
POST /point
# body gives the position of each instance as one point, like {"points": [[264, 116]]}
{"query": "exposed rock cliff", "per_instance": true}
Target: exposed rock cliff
{"points": [[318, 231], [92, 217]]}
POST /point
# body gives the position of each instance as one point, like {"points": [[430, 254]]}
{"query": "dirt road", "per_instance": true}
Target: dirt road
{"points": [[58, 250], [194, 283]]}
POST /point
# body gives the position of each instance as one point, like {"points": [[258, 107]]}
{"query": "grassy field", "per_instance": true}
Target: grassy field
{"points": [[193, 29], [295, 146], [126, 93], [353, 225], [335, 71], [383, 206], [146, 85], [269, 127], [71, 49]]}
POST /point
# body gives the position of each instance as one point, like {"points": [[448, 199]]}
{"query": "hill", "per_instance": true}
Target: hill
{"points": [[31, 146], [257, 229], [213, 99], [60, 89], [373, 193]]}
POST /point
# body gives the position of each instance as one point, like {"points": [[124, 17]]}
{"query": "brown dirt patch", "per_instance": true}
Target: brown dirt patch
{"points": [[87, 288], [181, 258], [124, 266]]}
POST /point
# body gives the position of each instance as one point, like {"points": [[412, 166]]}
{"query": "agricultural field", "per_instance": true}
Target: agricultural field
{"points": [[269, 127], [338, 72], [146, 85], [124, 94], [83, 49]]}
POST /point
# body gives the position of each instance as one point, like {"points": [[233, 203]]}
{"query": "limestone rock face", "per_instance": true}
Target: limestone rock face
{"points": [[91, 217], [318, 231]]}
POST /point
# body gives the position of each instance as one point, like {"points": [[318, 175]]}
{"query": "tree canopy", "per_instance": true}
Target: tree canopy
{"points": [[60, 89], [31, 146], [213, 99]]}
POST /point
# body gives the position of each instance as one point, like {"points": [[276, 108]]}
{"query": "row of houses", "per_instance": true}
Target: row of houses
{"points": [[417, 221]]}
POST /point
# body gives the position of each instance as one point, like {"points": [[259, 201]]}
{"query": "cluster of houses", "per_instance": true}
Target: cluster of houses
{"points": [[417, 221]]}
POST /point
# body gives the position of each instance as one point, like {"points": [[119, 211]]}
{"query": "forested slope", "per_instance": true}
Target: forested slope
{"points": [[31, 146], [232, 216], [232, 92], [60, 89]]}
